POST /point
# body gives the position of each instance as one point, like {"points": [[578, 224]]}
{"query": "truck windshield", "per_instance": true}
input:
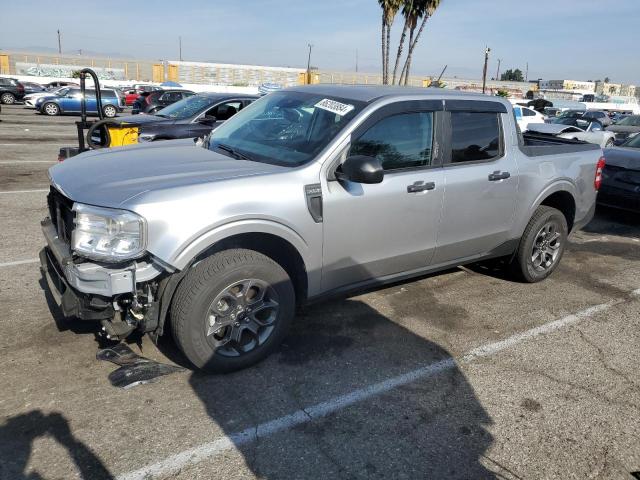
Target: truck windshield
{"points": [[284, 128]]}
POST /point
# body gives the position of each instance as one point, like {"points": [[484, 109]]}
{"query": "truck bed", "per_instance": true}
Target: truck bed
{"points": [[537, 144]]}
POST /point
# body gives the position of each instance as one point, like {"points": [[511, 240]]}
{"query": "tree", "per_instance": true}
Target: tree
{"points": [[413, 11], [607, 80], [512, 75], [502, 93], [389, 11], [425, 10]]}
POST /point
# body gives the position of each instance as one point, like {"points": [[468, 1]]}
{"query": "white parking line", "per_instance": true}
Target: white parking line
{"points": [[19, 262], [175, 463], [24, 191]]}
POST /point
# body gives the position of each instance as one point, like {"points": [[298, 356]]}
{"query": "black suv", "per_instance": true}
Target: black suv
{"points": [[10, 90], [151, 102]]}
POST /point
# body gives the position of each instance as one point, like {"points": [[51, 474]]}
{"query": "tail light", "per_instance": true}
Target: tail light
{"points": [[21, 88], [597, 181], [148, 99]]}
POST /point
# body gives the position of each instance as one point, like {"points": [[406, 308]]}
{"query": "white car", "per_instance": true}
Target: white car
{"points": [[576, 129], [30, 100], [525, 116]]}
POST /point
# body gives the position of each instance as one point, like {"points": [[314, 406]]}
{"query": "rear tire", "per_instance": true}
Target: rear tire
{"points": [[8, 98], [232, 310], [541, 246], [50, 109]]}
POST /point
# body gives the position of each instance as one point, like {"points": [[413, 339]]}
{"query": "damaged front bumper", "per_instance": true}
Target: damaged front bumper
{"points": [[121, 296]]}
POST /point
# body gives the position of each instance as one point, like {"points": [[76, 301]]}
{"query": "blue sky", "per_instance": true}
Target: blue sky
{"points": [[577, 39]]}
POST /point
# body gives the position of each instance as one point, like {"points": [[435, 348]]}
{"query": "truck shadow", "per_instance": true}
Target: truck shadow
{"points": [[432, 427], [18, 433]]}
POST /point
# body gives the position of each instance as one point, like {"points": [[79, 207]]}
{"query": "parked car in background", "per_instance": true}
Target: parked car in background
{"points": [[30, 100], [621, 176], [525, 116], [32, 87], [11, 90], [133, 93], [598, 116], [625, 128], [576, 129], [310, 191], [191, 117], [70, 102], [151, 102], [58, 84], [618, 117]]}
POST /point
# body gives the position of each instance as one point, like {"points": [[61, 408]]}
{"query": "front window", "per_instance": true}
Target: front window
{"points": [[284, 128], [400, 141], [185, 108]]}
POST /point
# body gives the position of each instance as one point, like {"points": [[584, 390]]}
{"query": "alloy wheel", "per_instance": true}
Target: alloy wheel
{"points": [[241, 317], [546, 247]]}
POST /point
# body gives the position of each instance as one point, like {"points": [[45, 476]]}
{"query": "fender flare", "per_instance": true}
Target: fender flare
{"points": [[561, 185], [187, 252]]}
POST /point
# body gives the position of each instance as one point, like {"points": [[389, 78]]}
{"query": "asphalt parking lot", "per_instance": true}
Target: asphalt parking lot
{"points": [[459, 375]]}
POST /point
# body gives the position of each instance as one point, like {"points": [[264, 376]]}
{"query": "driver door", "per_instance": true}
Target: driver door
{"points": [[375, 231]]}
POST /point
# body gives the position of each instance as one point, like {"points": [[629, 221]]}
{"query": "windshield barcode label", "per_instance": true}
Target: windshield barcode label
{"points": [[334, 107]]}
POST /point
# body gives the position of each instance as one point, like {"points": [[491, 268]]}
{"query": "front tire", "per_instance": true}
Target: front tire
{"points": [[541, 246], [232, 310], [51, 109], [109, 111], [8, 98]]}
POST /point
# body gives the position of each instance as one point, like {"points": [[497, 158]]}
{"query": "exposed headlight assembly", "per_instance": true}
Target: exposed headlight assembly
{"points": [[108, 234]]}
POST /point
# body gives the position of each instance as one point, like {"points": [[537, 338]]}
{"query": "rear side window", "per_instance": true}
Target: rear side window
{"points": [[108, 93], [528, 113], [475, 137], [400, 141]]}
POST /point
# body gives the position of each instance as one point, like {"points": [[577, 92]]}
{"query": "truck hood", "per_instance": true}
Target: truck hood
{"points": [[110, 177]]}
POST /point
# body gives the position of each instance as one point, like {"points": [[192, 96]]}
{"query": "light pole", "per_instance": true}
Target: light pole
{"points": [[309, 63], [484, 70], [59, 44], [180, 45], [498, 71]]}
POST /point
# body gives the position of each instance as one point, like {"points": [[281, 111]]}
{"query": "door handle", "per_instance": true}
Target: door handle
{"points": [[420, 187], [498, 175]]}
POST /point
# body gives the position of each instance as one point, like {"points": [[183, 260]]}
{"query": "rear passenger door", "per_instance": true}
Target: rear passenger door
{"points": [[481, 180]]}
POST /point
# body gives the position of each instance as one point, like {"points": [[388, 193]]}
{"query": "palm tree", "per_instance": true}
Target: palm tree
{"points": [[407, 10], [389, 11], [425, 9]]}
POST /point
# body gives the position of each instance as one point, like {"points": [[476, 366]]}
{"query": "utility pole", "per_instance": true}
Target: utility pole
{"points": [[309, 63], [59, 44], [484, 70], [498, 71], [356, 60], [526, 75], [180, 44]]}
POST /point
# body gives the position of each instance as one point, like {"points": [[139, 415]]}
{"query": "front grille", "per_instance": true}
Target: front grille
{"points": [[61, 213]]}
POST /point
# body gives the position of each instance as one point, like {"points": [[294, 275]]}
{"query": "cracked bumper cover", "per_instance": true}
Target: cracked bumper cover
{"points": [[91, 282]]}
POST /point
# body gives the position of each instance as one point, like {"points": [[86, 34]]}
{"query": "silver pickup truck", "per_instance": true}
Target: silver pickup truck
{"points": [[308, 192]]}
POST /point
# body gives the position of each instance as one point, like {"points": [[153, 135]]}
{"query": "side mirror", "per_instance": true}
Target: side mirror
{"points": [[361, 169], [207, 120]]}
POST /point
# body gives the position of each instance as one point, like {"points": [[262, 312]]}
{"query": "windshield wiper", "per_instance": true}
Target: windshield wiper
{"points": [[234, 153]]}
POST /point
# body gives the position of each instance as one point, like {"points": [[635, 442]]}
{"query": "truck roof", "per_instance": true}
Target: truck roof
{"points": [[370, 93]]}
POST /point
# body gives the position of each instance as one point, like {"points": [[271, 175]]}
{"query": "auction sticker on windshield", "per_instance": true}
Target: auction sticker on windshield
{"points": [[334, 107]]}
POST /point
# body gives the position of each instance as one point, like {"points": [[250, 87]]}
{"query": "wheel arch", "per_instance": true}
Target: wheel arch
{"points": [[560, 196], [277, 247]]}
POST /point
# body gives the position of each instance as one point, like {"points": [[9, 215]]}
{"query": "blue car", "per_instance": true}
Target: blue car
{"points": [[70, 102]]}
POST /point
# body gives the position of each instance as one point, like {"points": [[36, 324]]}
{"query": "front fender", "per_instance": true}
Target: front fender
{"points": [[187, 252]]}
